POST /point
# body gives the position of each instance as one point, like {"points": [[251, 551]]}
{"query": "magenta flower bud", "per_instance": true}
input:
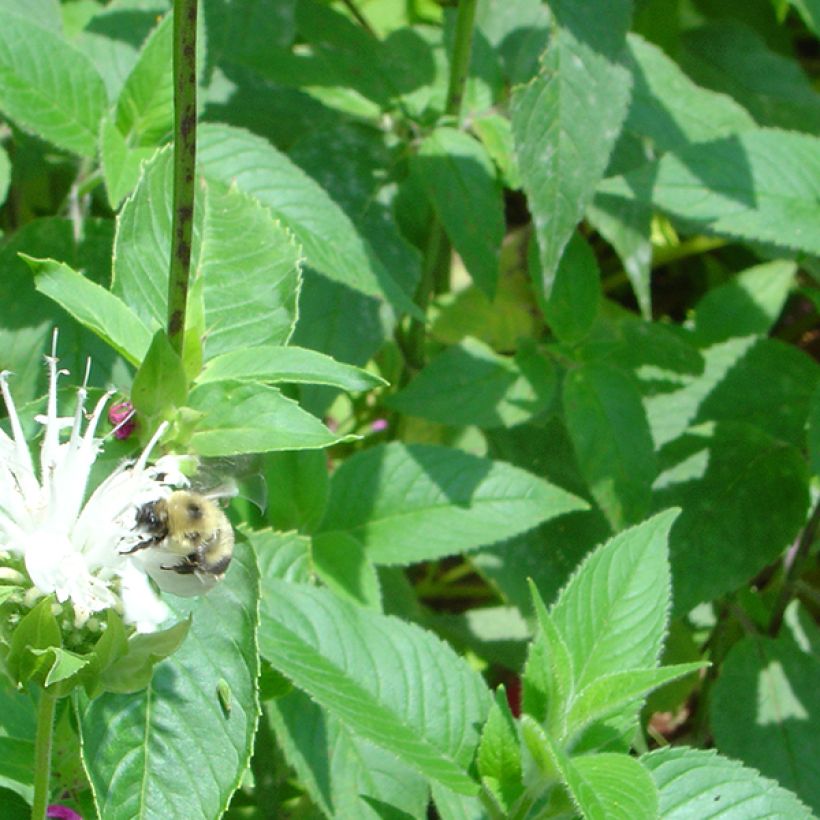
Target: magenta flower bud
{"points": [[378, 425], [62, 812], [121, 415]]}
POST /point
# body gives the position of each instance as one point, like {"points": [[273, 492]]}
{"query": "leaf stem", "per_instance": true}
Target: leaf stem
{"points": [[42, 754], [185, 13], [794, 562]]}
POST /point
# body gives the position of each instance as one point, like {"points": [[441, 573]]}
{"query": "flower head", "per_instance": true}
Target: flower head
{"points": [[70, 546]]}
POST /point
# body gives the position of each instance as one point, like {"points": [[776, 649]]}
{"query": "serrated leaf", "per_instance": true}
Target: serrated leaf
{"points": [[160, 382], [171, 735], [413, 503], [613, 691], [732, 58], [121, 163], [145, 107], [576, 292], [612, 787], [549, 677], [48, 87], [727, 481], [499, 755], [761, 185], [345, 775], [612, 441], [566, 120], [18, 725], [702, 783], [503, 391], [297, 484], [341, 563], [249, 286], [459, 178], [669, 108], [330, 242], [252, 418], [93, 306], [296, 365], [37, 631], [748, 304], [764, 711], [387, 680], [251, 269], [613, 612]]}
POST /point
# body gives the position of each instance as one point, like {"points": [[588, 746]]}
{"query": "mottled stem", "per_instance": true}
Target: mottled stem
{"points": [[185, 12]]}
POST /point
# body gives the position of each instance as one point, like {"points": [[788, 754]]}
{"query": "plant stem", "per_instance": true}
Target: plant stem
{"points": [[794, 566], [358, 16], [460, 65], [185, 12], [42, 754]]}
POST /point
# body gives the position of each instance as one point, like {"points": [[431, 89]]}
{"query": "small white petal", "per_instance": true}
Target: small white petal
{"points": [[141, 605]]}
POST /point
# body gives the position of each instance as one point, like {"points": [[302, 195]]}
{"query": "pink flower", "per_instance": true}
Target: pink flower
{"points": [[121, 415], [62, 812]]}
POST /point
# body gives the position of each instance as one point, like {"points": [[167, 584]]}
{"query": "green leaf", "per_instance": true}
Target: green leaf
{"points": [[344, 774], [160, 382], [18, 724], [5, 174], [764, 711], [342, 564], [133, 670], [728, 480], [37, 631], [758, 381], [413, 503], [616, 690], [93, 306], [389, 681], [760, 185], [548, 678], [241, 418], [613, 612], [48, 87], [814, 432], [471, 384], [499, 755], [576, 292], [748, 304], [257, 307], [459, 178], [669, 108], [145, 107], [296, 365], [700, 782], [734, 59], [281, 555], [171, 734], [297, 484], [612, 787], [627, 226], [121, 163], [566, 120], [250, 287], [610, 433], [330, 241], [495, 132]]}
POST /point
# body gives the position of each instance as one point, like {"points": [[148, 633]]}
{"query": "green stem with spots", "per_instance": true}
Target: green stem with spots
{"points": [[42, 754], [185, 13]]}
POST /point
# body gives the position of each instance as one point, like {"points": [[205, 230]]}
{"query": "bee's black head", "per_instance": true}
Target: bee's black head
{"points": [[148, 516]]}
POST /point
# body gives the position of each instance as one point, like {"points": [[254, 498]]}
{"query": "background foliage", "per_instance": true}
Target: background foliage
{"points": [[544, 278]]}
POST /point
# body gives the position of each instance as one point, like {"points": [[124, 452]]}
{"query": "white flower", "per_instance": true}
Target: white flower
{"points": [[69, 548]]}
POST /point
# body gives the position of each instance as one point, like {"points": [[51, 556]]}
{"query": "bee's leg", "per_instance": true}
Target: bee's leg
{"points": [[149, 542], [187, 566]]}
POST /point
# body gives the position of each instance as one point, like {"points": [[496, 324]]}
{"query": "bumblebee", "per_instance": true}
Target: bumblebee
{"points": [[191, 528]]}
